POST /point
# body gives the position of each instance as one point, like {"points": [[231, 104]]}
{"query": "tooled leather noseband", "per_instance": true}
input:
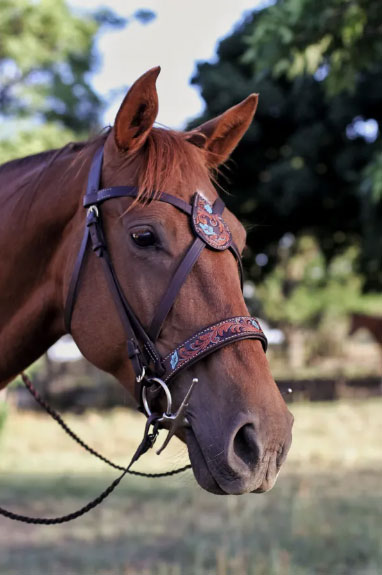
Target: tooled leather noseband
{"points": [[211, 231]]}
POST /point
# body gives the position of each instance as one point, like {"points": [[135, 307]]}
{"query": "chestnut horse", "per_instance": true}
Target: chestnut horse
{"points": [[373, 323], [240, 428]]}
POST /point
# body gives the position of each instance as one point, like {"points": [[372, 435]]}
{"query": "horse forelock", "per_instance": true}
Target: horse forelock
{"points": [[167, 162]]}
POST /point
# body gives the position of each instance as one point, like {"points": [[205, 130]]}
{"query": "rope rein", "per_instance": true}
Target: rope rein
{"points": [[95, 502], [33, 391]]}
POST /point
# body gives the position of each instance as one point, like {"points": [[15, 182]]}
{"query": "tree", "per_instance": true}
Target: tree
{"points": [[339, 39], [305, 296], [308, 165], [47, 53], [302, 288]]}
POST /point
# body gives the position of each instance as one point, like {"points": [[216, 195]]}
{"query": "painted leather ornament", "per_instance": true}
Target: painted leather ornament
{"points": [[210, 226]]}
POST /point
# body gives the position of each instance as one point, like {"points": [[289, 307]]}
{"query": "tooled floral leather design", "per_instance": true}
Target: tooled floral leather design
{"points": [[209, 339], [210, 226]]}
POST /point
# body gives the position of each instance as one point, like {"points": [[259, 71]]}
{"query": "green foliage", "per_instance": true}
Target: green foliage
{"points": [[370, 304], [344, 36], [28, 141], [46, 54], [303, 287], [306, 166], [373, 178], [3, 415]]}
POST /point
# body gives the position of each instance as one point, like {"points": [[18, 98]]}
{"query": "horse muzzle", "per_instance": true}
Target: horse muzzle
{"points": [[237, 461]]}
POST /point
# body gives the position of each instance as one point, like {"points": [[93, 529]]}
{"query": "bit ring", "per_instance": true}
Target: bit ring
{"points": [[165, 389]]}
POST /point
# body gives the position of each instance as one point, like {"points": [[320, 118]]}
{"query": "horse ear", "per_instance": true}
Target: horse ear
{"points": [[220, 136], [137, 113]]}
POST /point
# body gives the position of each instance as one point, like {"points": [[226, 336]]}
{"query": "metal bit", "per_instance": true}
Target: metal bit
{"points": [[178, 419]]}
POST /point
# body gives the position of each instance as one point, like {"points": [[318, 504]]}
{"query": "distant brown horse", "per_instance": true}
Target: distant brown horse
{"points": [[240, 426], [372, 323]]}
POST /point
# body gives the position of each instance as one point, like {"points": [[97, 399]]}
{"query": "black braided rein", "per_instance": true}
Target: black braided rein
{"points": [[92, 504], [33, 391], [64, 518]]}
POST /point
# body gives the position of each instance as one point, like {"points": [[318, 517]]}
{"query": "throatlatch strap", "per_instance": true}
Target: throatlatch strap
{"points": [[73, 285], [93, 183]]}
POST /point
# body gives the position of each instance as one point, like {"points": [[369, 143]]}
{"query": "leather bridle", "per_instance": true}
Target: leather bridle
{"points": [[210, 231]]}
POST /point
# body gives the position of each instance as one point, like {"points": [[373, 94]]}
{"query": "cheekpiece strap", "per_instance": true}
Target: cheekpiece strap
{"points": [[94, 177], [210, 339]]}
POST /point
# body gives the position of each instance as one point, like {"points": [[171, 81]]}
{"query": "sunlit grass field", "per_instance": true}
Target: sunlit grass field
{"points": [[324, 517]]}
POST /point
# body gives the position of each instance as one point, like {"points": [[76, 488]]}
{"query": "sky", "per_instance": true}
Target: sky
{"points": [[183, 33]]}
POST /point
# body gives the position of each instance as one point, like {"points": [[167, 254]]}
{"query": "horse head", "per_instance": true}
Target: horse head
{"points": [[240, 427]]}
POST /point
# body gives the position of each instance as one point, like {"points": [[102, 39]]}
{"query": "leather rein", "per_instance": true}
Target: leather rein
{"points": [[153, 372]]}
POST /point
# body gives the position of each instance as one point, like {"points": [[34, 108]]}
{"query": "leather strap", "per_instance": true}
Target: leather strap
{"points": [[181, 275], [93, 183], [151, 354], [96, 198], [235, 251], [218, 206], [173, 289], [132, 326], [209, 340], [133, 351], [73, 285], [94, 178]]}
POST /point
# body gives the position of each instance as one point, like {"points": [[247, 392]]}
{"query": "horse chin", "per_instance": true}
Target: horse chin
{"points": [[199, 466]]}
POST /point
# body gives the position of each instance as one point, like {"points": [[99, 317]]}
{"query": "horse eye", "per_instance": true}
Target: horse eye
{"points": [[144, 238]]}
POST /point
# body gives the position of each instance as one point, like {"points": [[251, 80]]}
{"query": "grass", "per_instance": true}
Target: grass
{"points": [[322, 518]]}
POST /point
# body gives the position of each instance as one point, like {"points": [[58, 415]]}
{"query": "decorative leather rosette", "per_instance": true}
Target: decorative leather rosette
{"points": [[209, 225]]}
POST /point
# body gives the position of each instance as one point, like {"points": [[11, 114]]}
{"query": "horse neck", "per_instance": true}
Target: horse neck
{"points": [[39, 220]]}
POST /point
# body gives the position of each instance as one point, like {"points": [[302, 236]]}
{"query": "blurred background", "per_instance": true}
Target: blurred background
{"points": [[307, 183]]}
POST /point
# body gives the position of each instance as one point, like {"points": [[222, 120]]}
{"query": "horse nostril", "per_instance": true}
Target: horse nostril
{"points": [[245, 445]]}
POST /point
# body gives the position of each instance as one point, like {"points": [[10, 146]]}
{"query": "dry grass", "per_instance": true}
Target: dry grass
{"points": [[322, 518]]}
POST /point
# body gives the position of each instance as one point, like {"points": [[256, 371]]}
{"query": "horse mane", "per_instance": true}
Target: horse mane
{"points": [[166, 162], [26, 161], [46, 157]]}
